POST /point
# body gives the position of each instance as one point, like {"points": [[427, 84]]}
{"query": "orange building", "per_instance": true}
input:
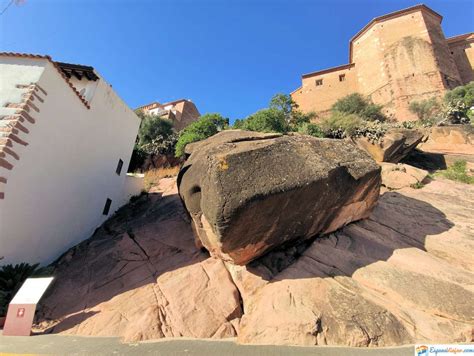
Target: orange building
{"points": [[182, 112], [395, 59]]}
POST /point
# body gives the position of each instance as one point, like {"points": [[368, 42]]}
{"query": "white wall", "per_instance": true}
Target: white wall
{"points": [[89, 86], [56, 192], [133, 186]]}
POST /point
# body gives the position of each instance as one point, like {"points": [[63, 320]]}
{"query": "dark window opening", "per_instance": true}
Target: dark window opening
{"points": [[319, 82], [108, 203], [119, 167], [342, 77]]}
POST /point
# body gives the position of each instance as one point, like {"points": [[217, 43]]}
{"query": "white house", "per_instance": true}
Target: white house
{"points": [[66, 139]]}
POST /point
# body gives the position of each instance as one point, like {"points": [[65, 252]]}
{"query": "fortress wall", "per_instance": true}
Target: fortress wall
{"points": [[320, 98], [463, 54], [396, 64]]}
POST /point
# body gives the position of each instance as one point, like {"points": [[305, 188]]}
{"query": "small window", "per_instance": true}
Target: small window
{"points": [[119, 167], [108, 203], [319, 82], [342, 77]]}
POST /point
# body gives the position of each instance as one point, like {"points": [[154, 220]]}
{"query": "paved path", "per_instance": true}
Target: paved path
{"points": [[74, 345]]}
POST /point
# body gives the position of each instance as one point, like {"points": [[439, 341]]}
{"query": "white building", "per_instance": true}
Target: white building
{"points": [[65, 143]]}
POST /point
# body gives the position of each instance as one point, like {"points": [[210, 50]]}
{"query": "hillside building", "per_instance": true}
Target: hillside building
{"points": [[395, 59], [65, 143], [181, 112]]}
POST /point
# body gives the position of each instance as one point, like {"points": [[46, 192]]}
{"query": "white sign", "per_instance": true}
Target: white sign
{"points": [[32, 290]]}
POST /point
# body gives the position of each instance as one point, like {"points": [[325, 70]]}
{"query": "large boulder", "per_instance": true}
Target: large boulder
{"points": [[248, 192], [454, 139], [396, 145], [397, 176]]}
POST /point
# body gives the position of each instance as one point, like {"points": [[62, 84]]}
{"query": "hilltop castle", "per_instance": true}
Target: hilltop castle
{"points": [[395, 59]]}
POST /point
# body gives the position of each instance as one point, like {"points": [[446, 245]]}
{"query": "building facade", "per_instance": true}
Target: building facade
{"points": [[181, 112], [395, 59], [66, 139]]}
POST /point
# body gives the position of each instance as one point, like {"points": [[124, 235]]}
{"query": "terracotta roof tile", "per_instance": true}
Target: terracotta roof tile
{"points": [[56, 65]]}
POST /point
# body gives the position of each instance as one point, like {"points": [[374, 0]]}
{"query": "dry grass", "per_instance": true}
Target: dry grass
{"points": [[153, 176]]}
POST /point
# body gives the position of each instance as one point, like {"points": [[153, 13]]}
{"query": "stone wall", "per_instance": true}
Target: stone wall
{"points": [[462, 50], [333, 84], [396, 59]]}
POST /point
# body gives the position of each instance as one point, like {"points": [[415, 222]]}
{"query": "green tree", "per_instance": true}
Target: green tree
{"points": [[357, 104], [152, 128], [266, 120], [290, 109], [238, 123], [283, 103], [207, 126]]}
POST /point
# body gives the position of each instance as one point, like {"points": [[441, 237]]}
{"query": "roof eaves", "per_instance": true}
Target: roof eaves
{"points": [[462, 37], [38, 56], [328, 70]]}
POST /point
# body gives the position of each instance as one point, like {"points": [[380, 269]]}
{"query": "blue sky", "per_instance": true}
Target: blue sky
{"points": [[226, 56]]}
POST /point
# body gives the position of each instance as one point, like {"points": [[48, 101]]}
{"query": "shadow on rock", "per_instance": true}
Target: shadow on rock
{"points": [[395, 278], [397, 222], [428, 161]]}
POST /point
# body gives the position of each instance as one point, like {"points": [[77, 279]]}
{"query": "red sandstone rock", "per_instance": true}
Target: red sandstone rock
{"points": [[454, 139], [405, 275], [140, 277], [396, 145], [397, 176], [248, 192]]}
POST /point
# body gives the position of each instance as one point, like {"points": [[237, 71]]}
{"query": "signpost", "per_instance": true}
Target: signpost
{"points": [[21, 310]]}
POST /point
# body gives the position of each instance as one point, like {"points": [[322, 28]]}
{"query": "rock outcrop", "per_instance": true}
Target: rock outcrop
{"points": [[404, 275], [141, 277], [454, 139], [397, 176], [248, 193], [396, 145]]}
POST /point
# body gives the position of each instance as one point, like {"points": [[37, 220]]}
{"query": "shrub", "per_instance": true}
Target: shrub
{"points": [[357, 104], [299, 119], [459, 102], [457, 113], [457, 172], [11, 279], [341, 125], [266, 120], [310, 129], [374, 131], [207, 126], [427, 111], [464, 93]]}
